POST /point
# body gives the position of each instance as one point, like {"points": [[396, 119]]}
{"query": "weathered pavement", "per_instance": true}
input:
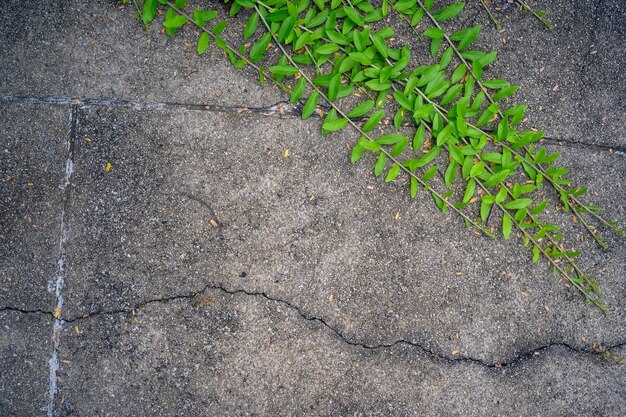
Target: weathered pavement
{"points": [[310, 297]]}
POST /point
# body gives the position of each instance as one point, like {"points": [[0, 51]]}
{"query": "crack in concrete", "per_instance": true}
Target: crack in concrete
{"points": [[520, 358], [280, 109], [25, 311]]}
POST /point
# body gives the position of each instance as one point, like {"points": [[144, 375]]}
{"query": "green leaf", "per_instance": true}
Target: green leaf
{"points": [[149, 11], [259, 48], [446, 57], [451, 95], [219, 28], [354, 15], [175, 22], [381, 45], [469, 190], [518, 204], [450, 173], [393, 173], [373, 120], [507, 225], [310, 105], [477, 169], [251, 26], [418, 139], [284, 70], [327, 49], [505, 92], [286, 28], [434, 33], [539, 207], [361, 109], [380, 164], [430, 173], [357, 153], [458, 73], [203, 43], [402, 100], [361, 58], [465, 37], [245, 3], [501, 196], [496, 84], [428, 157], [423, 111], [536, 253], [334, 125], [485, 209], [435, 44], [391, 139], [448, 12], [201, 17], [298, 90], [333, 87], [378, 85], [496, 178], [369, 144], [439, 202], [414, 187]]}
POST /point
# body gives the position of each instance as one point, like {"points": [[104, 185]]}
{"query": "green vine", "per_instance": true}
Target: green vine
{"points": [[329, 49]]}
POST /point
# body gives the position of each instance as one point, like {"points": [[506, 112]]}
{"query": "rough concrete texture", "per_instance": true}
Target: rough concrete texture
{"points": [[207, 273], [242, 354], [25, 349], [33, 152], [77, 45]]}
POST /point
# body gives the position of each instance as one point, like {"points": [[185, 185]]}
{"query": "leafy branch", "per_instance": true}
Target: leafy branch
{"points": [[449, 108]]}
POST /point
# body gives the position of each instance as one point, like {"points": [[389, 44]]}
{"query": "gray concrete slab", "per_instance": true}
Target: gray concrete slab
{"points": [[25, 349], [315, 230], [96, 49], [33, 156], [239, 354], [209, 272]]}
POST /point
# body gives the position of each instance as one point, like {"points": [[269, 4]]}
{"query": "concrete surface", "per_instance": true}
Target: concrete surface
{"points": [[207, 274]]}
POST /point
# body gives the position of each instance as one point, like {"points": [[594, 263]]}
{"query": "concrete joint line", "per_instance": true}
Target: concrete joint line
{"points": [[58, 282], [280, 109]]}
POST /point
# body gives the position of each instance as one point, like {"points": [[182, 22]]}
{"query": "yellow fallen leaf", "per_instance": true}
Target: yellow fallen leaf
{"points": [[286, 153], [107, 167], [331, 297], [57, 312]]}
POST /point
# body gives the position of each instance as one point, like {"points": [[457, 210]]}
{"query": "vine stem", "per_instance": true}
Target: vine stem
{"points": [[495, 21], [526, 7], [139, 13], [538, 167], [597, 303], [358, 129], [440, 109], [260, 70], [363, 89], [388, 155], [506, 212]]}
